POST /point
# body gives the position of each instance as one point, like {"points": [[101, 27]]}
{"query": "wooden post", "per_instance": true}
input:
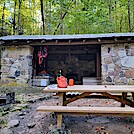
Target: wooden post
{"points": [[61, 103], [133, 95], [98, 72], [124, 96]]}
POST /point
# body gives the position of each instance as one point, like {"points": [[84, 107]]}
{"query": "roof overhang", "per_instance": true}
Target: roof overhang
{"points": [[78, 39]]}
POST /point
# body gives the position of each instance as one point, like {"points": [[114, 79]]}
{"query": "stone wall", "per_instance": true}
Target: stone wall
{"points": [[118, 64], [16, 64]]}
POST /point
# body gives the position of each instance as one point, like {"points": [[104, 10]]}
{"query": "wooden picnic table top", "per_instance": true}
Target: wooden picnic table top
{"points": [[92, 88]]}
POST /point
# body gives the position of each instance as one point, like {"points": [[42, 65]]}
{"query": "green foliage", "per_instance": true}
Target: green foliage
{"points": [[3, 121], [71, 16]]}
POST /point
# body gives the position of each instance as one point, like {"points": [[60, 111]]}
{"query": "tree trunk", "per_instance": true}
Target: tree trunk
{"points": [[121, 19], [129, 16], [19, 21], [3, 17], [110, 15], [14, 17], [49, 28], [75, 24], [42, 15], [133, 17], [63, 16], [61, 23], [115, 16]]}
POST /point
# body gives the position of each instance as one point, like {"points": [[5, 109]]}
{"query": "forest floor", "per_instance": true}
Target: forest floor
{"points": [[22, 118]]}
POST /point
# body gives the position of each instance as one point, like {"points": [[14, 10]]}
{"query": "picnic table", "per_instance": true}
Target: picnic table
{"points": [[87, 90]]}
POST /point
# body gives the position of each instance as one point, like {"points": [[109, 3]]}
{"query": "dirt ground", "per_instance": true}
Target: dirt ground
{"points": [[45, 123], [90, 124]]}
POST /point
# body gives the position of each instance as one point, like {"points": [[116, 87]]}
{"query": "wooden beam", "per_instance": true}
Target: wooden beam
{"points": [[14, 41], [69, 41], [115, 39], [76, 98], [88, 42], [28, 41], [124, 96], [94, 89], [98, 65], [133, 96], [56, 41], [59, 116], [43, 41], [123, 101], [129, 39], [66, 42], [84, 40], [87, 110], [73, 51], [2, 42], [99, 40]]}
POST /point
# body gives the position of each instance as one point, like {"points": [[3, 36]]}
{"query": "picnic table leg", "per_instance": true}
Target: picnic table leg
{"points": [[133, 96], [124, 96], [61, 103]]}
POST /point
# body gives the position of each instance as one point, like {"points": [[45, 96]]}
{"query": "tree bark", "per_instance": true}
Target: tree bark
{"points": [[3, 17], [110, 15], [19, 17], [62, 17], [129, 16], [42, 15], [75, 21], [115, 16], [61, 20], [49, 28], [14, 17], [121, 19]]}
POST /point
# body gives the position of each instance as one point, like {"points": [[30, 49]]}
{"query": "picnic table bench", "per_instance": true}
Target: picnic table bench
{"points": [[87, 90]]}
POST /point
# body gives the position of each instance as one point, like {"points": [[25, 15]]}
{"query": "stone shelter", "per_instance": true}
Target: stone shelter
{"points": [[83, 57]]}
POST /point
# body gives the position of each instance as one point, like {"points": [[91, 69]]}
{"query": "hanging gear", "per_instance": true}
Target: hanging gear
{"points": [[42, 54]]}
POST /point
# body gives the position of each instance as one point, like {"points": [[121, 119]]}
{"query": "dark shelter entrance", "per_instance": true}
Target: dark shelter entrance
{"points": [[76, 61]]}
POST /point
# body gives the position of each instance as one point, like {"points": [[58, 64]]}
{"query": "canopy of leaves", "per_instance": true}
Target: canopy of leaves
{"points": [[66, 16]]}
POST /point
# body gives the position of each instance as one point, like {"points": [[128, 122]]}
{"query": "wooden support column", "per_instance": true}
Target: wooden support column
{"points": [[124, 97], [98, 65], [133, 96], [61, 103]]}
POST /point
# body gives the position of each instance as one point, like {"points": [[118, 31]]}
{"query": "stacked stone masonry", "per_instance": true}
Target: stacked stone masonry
{"points": [[16, 64], [118, 64]]}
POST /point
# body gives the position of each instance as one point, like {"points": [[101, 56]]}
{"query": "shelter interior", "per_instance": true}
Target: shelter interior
{"points": [[76, 61]]}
